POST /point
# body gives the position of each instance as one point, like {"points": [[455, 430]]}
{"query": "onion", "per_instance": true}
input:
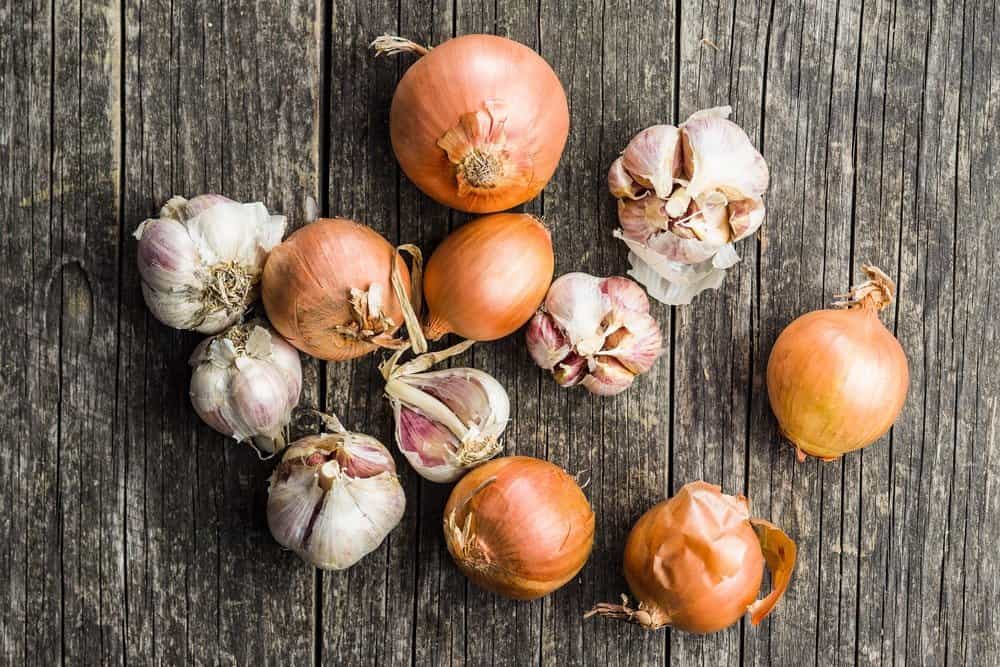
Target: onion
{"points": [[519, 527], [328, 289], [488, 277], [837, 378], [479, 122], [696, 562]]}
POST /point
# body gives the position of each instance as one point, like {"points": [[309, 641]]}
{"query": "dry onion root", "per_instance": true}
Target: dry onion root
{"points": [[478, 123], [837, 378], [685, 195], [519, 527], [337, 290], [696, 562]]}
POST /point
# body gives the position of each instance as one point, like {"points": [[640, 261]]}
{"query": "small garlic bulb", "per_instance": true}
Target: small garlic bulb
{"points": [[685, 195], [334, 498], [245, 384], [447, 421], [596, 332], [201, 260]]}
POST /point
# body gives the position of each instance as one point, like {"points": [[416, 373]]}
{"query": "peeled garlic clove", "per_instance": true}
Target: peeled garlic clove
{"points": [[546, 343], [718, 155], [201, 260], [625, 294], [334, 498], [653, 158], [636, 345], [745, 217], [245, 384], [621, 184], [710, 221], [577, 306], [643, 218], [447, 421], [607, 376]]}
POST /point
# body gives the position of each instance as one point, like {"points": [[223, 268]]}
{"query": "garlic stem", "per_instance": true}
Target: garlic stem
{"points": [[328, 472], [428, 405]]}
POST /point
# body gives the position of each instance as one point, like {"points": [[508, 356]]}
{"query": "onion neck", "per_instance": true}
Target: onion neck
{"points": [[648, 616], [873, 295]]}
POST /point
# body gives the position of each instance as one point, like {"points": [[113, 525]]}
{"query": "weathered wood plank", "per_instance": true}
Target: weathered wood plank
{"points": [[208, 109]]}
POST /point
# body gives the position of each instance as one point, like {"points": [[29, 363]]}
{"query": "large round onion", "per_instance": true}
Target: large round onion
{"points": [[488, 277], [696, 562], [479, 122], [518, 526], [327, 289], [837, 378]]}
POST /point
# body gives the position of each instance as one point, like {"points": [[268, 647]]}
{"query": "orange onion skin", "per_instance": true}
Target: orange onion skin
{"points": [[694, 560], [307, 281], [456, 78], [836, 380], [488, 277], [532, 528]]}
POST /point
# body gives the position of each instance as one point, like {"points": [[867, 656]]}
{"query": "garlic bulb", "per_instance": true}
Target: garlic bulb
{"points": [[447, 421], [201, 260], [685, 195], [334, 497], [245, 384], [596, 332]]}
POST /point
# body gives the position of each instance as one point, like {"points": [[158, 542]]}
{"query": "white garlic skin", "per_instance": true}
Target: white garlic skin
{"points": [[680, 216], [201, 260], [596, 332], [448, 421], [334, 498], [245, 384]]}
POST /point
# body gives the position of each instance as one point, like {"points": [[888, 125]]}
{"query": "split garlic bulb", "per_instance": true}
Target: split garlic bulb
{"points": [[685, 195], [245, 384], [201, 260], [447, 421], [596, 332], [334, 498]]}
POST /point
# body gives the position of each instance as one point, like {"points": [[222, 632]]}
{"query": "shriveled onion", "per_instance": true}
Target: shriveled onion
{"points": [[837, 378], [519, 527], [696, 563], [328, 290], [488, 277], [479, 122]]}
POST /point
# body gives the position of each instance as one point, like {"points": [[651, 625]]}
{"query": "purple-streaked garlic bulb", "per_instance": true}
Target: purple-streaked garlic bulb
{"points": [[202, 259], [685, 195], [595, 332], [334, 498], [448, 420], [245, 384]]}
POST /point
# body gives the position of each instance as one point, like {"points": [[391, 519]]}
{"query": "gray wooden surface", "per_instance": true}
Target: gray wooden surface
{"points": [[131, 533]]}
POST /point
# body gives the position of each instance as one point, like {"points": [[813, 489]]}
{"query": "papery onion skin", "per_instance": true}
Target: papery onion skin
{"points": [[837, 379], [695, 562], [308, 280], [519, 527], [488, 277], [460, 77]]}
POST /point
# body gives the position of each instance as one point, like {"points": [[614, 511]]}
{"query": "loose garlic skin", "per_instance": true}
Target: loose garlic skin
{"points": [[595, 332], [334, 498], [201, 260], [245, 384], [685, 195], [447, 421]]}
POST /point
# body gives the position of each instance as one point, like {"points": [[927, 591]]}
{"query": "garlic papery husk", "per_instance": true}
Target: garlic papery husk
{"points": [[334, 498], [681, 234], [596, 332], [449, 420], [245, 384], [201, 260]]}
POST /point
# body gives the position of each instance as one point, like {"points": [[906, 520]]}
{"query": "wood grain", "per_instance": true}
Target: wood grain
{"points": [[132, 533]]}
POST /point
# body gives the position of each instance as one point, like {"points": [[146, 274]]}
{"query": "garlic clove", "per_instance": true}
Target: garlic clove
{"points": [[710, 221], [625, 294], [259, 395], [643, 218], [475, 397], [653, 158], [428, 446], [637, 345], [672, 247], [235, 232], [291, 504], [179, 310], [745, 217], [570, 371], [363, 456], [607, 377], [578, 307], [621, 184], [718, 155], [546, 343], [167, 257], [677, 204]]}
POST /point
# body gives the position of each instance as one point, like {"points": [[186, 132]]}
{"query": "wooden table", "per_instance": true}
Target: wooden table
{"points": [[130, 532]]}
